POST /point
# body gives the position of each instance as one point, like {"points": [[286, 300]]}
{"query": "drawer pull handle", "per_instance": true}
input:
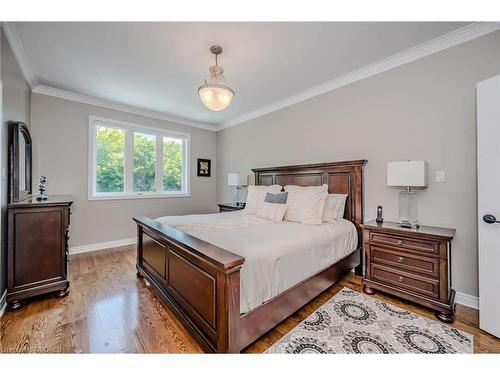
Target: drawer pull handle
{"points": [[399, 242], [401, 279], [401, 259]]}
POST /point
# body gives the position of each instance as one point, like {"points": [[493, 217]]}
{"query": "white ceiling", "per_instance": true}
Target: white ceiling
{"points": [[159, 66]]}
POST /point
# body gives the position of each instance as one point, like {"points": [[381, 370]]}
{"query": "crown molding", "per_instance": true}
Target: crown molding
{"points": [[16, 45], [462, 35], [92, 100]]}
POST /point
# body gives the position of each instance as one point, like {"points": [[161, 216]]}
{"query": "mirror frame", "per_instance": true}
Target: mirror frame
{"points": [[16, 129]]}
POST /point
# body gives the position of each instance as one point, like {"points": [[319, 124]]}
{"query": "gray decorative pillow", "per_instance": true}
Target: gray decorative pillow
{"points": [[276, 198]]}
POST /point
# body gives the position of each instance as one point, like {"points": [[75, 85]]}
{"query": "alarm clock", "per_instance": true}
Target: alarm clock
{"points": [[379, 219]]}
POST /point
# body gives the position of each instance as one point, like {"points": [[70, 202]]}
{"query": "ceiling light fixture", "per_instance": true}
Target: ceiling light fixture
{"points": [[214, 95]]}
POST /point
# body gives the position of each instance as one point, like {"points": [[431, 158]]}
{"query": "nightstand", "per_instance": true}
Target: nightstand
{"points": [[226, 207], [412, 264]]}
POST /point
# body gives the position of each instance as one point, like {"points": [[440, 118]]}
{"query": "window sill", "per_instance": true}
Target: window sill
{"points": [[138, 196]]}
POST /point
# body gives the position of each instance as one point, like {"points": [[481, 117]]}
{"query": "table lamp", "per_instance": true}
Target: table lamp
{"points": [[237, 180], [407, 175]]}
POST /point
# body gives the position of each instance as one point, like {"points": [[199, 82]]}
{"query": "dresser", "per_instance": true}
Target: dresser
{"points": [[37, 249], [412, 264], [226, 207]]}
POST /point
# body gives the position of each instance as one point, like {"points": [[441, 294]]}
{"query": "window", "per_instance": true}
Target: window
{"points": [[144, 162], [129, 161]]}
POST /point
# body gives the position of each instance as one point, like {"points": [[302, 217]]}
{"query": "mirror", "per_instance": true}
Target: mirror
{"points": [[22, 164], [19, 162]]}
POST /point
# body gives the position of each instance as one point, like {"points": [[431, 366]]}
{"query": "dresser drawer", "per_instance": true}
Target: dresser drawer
{"points": [[405, 280], [401, 259], [412, 244]]}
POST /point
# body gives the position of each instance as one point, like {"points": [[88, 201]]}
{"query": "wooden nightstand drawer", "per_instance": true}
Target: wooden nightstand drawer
{"points": [[405, 280], [412, 244], [401, 259]]}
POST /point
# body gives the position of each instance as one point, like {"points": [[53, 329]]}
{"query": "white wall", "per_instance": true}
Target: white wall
{"points": [[60, 137], [422, 110]]}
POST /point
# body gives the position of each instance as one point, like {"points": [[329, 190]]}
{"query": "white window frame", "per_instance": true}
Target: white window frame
{"points": [[129, 129]]}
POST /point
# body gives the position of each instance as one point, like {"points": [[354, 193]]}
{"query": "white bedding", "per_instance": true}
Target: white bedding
{"points": [[277, 255]]}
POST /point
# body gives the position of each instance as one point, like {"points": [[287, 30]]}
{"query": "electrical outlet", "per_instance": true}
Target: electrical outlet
{"points": [[440, 177]]}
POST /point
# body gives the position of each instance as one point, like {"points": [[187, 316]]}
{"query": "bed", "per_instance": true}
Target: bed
{"points": [[231, 277]]}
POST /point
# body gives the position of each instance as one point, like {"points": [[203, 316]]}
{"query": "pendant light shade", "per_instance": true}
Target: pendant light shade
{"points": [[214, 95]]}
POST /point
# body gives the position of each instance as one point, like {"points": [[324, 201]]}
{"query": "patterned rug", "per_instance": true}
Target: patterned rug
{"points": [[352, 322]]}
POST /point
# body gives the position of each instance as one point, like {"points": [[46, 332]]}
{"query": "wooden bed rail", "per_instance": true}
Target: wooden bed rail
{"points": [[220, 257], [199, 281]]}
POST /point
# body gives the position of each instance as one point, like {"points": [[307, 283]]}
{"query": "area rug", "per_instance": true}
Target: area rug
{"points": [[352, 322]]}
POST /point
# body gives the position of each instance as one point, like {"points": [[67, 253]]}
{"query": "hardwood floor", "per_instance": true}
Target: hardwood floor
{"points": [[110, 310]]}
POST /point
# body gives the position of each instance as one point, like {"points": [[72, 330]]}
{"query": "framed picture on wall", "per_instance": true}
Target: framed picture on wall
{"points": [[204, 167]]}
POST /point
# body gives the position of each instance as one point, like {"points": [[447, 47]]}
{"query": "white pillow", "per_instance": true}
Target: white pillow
{"points": [[272, 211], [334, 207], [341, 210], [306, 204], [256, 196]]}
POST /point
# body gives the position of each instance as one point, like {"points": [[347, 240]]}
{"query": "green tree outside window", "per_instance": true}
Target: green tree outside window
{"points": [[144, 162], [172, 164], [110, 161]]}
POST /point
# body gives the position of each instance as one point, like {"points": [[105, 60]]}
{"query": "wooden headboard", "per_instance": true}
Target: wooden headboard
{"points": [[342, 177]]}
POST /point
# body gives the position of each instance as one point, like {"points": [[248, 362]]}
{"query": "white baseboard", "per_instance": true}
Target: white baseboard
{"points": [[467, 300], [101, 245], [3, 303]]}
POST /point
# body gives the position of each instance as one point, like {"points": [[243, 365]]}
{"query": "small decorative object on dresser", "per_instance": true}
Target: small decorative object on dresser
{"points": [[226, 207], [413, 264], [41, 188], [37, 248], [203, 168], [380, 219]]}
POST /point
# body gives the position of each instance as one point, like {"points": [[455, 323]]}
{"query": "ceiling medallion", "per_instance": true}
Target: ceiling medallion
{"points": [[215, 95]]}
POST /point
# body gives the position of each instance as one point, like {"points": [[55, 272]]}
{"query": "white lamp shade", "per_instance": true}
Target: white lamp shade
{"points": [[215, 97], [407, 173], [232, 179], [235, 179]]}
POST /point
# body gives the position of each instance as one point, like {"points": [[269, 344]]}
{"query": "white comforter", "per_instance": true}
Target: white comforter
{"points": [[277, 256]]}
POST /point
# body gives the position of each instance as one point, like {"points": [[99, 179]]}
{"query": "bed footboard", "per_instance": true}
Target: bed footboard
{"points": [[199, 281]]}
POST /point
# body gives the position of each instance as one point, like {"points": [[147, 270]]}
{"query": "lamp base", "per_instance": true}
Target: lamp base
{"points": [[408, 209], [236, 198]]}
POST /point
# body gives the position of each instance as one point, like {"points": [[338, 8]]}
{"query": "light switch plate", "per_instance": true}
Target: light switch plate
{"points": [[440, 177]]}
